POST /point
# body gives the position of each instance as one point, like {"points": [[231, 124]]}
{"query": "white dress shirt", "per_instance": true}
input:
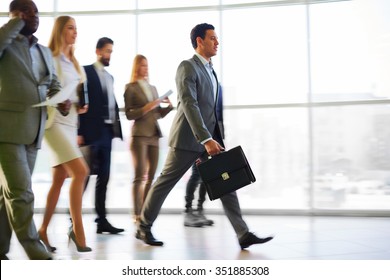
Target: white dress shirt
{"points": [[107, 83], [209, 69]]}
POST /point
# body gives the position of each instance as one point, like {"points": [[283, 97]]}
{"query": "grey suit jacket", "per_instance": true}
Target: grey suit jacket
{"points": [[195, 120], [144, 125], [20, 123]]}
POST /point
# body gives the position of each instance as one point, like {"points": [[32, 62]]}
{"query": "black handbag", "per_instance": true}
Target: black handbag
{"points": [[226, 172]]}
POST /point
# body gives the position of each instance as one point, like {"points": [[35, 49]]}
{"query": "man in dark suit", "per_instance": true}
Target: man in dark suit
{"points": [[27, 77], [99, 126], [194, 134]]}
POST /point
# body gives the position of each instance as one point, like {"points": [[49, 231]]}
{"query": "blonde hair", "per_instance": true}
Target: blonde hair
{"points": [[56, 41], [136, 65]]}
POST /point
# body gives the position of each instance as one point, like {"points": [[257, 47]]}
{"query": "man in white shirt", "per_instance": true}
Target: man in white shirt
{"points": [[99, 126]]}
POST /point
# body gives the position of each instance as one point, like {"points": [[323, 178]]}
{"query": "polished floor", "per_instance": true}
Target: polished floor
{"points": [[296, 238]]}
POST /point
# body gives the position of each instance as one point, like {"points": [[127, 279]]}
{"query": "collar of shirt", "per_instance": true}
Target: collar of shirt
{"points": [[24, 38], [204, 60], [207, 65], [98, 65], [210, 71], [64, 58]]}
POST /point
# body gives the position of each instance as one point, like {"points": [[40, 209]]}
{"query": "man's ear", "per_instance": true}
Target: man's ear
{"points": [[199, 41]]}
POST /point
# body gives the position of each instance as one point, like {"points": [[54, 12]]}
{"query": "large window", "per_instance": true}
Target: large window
{"points": [[351, 157], [350, 59], [264, 55], [305, 87], [350, 51]]}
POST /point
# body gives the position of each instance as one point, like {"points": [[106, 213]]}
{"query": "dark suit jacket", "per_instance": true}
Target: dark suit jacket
{"points": [[195, 120], [92, 122], [20, 123], [144, 125]]}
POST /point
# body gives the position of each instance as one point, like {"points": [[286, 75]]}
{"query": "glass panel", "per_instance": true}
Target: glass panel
{"points": [[3, 20], [95, 5], [350, 61], [350, 53], [45, 5], [124, 45], [44, 31], [4, 6], [352, 157], [42, 5], [153, 4], [275, 142], [166, 50], [269, 2], [277, 2], [265, 55]]}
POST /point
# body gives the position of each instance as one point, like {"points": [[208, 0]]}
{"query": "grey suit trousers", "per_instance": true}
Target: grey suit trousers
{"points": [[176, 165], [17, 200]]}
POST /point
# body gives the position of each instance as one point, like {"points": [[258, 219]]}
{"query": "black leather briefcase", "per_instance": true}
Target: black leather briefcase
{"points": [[226, 172]]}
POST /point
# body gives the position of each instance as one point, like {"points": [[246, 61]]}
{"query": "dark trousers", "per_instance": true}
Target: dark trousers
{"points": [[101, 149], [176, 165], [192, 184]]}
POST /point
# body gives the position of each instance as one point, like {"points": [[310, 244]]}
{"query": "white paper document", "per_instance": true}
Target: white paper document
{"points": [[59, 97], [168, 93]]}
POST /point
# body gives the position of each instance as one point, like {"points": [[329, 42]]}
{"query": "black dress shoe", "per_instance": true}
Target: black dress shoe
{"points": [[148, 238], [250, 239], [107, 227]]}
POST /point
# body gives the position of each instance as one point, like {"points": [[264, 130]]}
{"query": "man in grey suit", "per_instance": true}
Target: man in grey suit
{"points": [[194, 134], [27, 77]]}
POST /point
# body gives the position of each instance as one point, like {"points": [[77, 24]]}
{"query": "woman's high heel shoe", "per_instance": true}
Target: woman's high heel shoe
{"points": [[45, 242], [79, 248]]}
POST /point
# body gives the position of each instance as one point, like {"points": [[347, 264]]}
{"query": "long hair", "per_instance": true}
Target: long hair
{"points": [[57, 40], [136, 64]]}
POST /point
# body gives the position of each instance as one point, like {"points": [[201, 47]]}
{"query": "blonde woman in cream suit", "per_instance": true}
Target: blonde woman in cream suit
{"points": [[143, 106], [61, 136]]}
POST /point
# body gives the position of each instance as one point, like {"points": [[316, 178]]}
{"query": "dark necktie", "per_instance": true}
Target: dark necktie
{"points": [[213, 79]]}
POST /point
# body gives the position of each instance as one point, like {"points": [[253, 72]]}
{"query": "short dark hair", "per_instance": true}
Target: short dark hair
{"points": [[199, 31], [104, 41], [17, 5]]}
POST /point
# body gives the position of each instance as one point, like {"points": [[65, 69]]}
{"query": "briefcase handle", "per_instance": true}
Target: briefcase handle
{"points": [[199, 161], [210, 157]]}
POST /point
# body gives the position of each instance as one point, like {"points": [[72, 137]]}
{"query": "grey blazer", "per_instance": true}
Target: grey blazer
{"points": [[20, 123], [195, 120], [144, 125]]}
